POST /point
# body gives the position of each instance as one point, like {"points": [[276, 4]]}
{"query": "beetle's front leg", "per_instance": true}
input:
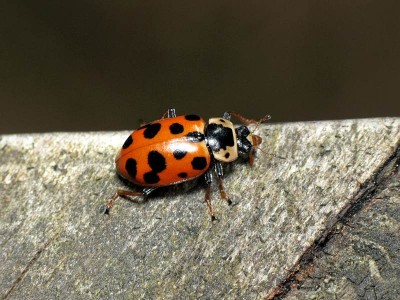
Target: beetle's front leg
{"points": [[207, 197], [220, 173]]}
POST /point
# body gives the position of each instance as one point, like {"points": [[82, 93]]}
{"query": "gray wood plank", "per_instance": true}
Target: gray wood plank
{"points": [[56, 244], [362, 260]]}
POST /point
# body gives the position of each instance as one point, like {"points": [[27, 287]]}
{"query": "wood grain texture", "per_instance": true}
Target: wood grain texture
{"points": [[362, 260], [55, 243]]}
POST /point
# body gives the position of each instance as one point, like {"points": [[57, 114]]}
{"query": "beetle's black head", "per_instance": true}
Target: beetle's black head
{"points": [[247, 142], [244, 143]]}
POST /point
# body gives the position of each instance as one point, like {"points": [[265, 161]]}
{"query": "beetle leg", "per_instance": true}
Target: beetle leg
{"points": [[208, 202], [148, 191], [220, 173], [226, 116], [165, 114], [125, 193], [251, 158], [170, 113], [222, 191], [207, 197]]}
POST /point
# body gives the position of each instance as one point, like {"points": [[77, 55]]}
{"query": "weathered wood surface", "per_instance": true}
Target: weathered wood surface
{"points": [[362, 260], [56, 244]]}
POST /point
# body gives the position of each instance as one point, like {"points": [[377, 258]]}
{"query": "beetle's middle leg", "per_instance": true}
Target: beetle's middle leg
{"points": [[170, 113]]}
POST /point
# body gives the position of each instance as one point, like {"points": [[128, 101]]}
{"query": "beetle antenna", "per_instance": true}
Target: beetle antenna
{"points": [[262, 120], [246, 121]]}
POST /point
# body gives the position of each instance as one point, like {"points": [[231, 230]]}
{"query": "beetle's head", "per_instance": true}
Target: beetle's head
{"points": [[247, 142]]}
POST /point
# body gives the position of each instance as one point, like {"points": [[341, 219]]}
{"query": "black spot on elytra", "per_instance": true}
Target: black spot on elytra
{"points": [[179, 154], [128, 142], [183, 175], [176, 128], [195, 137], [156, 161], [151, 130], [192, 117], [222, 120], [227, 154], [219, 136], [130, 167], [157, 164], [199, 163], [151, 177]]}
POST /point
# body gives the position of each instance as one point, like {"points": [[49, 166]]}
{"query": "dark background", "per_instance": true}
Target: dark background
{"points": [[104, 65]]}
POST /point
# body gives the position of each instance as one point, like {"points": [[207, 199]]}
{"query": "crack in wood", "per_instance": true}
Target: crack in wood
{"points": [[366, 192], [28, 266]]}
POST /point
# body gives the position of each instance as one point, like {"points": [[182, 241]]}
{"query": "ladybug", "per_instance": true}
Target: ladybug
{"points": [[176, 149]]}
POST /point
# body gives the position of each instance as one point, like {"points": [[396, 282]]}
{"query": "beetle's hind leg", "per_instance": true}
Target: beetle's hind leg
{"points": [[170, 113], [124, 193]]}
